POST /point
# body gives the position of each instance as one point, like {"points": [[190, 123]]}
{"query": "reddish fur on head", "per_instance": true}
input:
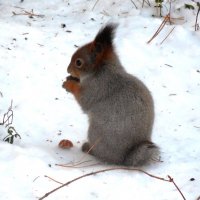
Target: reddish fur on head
{"points": [[91, 56]]}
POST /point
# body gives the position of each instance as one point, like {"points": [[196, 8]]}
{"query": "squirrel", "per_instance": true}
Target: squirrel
{"points": [[119, 106]]}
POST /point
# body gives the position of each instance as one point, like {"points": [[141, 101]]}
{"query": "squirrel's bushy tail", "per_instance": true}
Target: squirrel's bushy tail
{"points": [[142, 154]]}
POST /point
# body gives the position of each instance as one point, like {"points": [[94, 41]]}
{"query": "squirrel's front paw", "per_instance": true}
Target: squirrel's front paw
{"points": [[70, 83]]}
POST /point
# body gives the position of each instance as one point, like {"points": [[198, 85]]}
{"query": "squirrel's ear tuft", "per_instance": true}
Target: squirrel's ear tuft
{"points": [[105, 35]]}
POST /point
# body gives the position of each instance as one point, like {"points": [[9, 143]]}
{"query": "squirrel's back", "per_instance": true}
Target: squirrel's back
{"points": [[121, 113]]}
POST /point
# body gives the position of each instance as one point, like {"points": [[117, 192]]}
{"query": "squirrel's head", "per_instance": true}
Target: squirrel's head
{"points": [[90, 57]]}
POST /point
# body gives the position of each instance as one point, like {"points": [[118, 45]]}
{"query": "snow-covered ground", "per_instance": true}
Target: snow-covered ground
{"points": [[34, 54]]}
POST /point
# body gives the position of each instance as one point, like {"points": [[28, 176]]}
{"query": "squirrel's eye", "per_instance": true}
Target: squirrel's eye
{"points": [[79, 62]]}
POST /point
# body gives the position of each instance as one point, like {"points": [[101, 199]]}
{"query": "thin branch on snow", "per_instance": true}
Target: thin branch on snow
{"points": [[168, 65], [73, 164], [77, 165], [168, 35], [18, 7], [52, 179], [8, 116], [170, 9], [147, 2], [95, 4], [134, 4], [112, 169], [30, 14], [166, 19], [35, 178], [196, 22], [172, 181]]}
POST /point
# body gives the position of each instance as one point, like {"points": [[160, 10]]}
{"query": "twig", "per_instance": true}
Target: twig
{"points": [[35, 178], [166, 19], [73, 164], [168, 35], [8, 116], [168, 65], [196, 24], [77, 165], [112, 169], [30, 14], [95, 4], [52, 179], [176, 18], [147, 2], [134, 4], [143, 3], [170, 8], [25, 33], [172, 180], [18, 7]]}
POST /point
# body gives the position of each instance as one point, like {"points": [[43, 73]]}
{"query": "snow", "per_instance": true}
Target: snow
{"points": [[34, 54]]}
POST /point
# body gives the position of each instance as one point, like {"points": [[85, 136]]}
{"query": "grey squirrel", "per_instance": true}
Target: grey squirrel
{"points": [[119, 106]]}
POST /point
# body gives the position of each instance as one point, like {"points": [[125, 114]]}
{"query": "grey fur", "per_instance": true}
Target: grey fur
{"points": [[121, 114]]}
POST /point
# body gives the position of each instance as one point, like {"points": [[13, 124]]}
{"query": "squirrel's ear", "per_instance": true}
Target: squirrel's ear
{"points": [[98, 47], [104, 38]]}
